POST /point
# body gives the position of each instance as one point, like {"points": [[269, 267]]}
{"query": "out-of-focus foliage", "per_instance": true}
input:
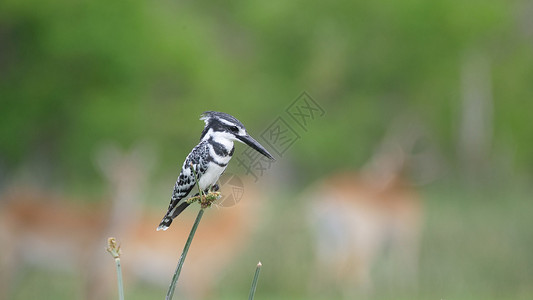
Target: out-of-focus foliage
{"points": [[73, 74]]}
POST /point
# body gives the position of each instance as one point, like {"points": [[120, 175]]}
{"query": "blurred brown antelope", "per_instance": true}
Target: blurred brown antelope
{"points": [[54, 232], [357, 217], [59, 234]]}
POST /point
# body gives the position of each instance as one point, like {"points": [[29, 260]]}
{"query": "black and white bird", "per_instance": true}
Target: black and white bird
{"points": [[209, 159]]}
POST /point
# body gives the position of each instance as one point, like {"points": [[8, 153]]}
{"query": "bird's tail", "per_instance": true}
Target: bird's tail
{"points": [[171, 214]]}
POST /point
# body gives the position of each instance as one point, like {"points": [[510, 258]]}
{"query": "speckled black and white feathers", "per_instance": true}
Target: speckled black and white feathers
{"points": [[186, 182]]}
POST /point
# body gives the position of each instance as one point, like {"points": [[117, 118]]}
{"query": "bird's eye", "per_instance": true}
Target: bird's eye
{"points": [[234, 129]]}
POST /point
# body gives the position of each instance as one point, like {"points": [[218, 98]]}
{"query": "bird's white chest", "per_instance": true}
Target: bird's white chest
{"points": [[211, 175]]}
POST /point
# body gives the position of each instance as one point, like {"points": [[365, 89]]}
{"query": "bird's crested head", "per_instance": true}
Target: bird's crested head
{"points": [[222, 126]]}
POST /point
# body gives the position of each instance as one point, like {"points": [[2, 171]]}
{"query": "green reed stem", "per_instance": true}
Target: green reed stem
{"points": [[176, 275], [119, 279], [254, 282], [114, 249]]}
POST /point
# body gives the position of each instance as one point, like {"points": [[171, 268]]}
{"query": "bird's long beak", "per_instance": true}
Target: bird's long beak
{"points": [[250, 141]]}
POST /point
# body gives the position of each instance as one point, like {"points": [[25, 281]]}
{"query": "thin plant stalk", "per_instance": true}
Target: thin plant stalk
{"points": [[114, 250], [119, 279], [205, 201], [172, 287], [254, 282]]}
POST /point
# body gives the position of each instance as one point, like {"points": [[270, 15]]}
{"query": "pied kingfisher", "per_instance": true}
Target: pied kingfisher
{"points": [[209, 159]]}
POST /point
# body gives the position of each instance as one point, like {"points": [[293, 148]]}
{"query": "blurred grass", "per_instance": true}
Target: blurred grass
{"points": [[34, 283], [476, 245]]}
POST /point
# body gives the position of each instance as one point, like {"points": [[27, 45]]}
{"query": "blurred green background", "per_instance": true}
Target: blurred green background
{"points": [[78, 74]]}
